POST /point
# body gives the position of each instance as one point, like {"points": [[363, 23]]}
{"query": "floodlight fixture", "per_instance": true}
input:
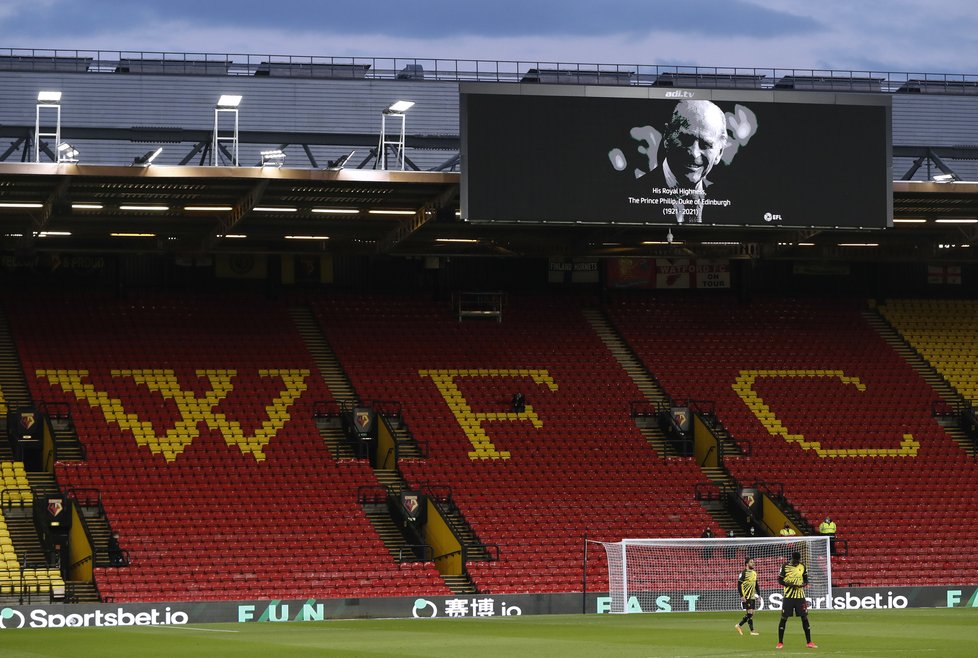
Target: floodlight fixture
{"points": [[146, 159], [944, 178], [399, 107], [229, 100], [67, 152], [272, 158], [49, 97]]}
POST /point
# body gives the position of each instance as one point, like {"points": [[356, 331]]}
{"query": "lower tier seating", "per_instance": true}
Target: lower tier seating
{"points": [[822, 405], [196, 416], [535, 483]]}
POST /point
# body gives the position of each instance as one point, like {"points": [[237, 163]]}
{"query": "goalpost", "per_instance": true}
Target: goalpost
{"points": [[662, 575]]}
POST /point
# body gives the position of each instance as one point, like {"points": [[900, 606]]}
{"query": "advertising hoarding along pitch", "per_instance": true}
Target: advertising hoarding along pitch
{"points": [[550, 153]]}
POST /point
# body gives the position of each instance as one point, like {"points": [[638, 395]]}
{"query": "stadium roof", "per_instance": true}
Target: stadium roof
{"points": [[89, 208]]}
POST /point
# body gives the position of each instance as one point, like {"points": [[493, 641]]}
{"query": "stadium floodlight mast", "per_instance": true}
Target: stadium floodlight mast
{"points": [[227, 104], [693, 575], [48, 102], [395, 110]]}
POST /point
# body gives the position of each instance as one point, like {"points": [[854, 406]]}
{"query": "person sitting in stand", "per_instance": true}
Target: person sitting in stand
{"points": [[787, 530], [730, 551], [708, 548], [116, 558], [519, 403]]}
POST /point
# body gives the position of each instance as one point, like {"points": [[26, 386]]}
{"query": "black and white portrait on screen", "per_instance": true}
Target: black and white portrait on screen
{"points": [[674, 167]]}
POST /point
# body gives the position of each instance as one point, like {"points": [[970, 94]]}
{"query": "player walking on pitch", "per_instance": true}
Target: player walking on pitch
{"points": [[794, 578], [749, 593]]}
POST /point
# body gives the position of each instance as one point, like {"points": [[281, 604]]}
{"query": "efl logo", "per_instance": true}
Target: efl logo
{"points": [[771, 217], [10, 618]]}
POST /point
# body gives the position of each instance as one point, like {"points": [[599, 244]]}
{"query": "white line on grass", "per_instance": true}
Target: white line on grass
{"points": [[193, 628]]}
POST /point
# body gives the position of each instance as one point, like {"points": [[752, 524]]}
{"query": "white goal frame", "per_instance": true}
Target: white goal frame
{"points": [[662, 575]]}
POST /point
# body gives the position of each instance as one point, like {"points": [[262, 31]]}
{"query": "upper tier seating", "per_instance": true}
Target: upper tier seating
{"points": [[827, 408], [945, 332], [197, 419], [573, 465]]}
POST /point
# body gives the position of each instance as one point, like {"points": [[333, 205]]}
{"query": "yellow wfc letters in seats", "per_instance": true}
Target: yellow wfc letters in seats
{"points": [[744, 387], [192, 409], [471, 421]]}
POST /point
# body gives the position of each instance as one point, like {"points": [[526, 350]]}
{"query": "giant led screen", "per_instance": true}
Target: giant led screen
{"points": [[550, 153]]}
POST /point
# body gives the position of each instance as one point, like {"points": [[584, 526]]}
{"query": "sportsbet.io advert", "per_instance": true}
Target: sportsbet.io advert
{"points": [[19, 618]]}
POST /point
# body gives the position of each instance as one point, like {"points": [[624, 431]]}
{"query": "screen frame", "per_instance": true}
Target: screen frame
{"points": [[752, 96]]}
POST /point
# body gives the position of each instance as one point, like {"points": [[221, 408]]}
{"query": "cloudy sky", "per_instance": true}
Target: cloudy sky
{"points": [[863, 35]]}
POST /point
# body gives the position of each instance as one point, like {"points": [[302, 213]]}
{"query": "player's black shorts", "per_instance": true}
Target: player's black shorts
{"points": [[791, 607], [749, 604]]}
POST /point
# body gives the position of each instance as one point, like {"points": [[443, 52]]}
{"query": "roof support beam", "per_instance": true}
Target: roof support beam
{"points": [[244, 205]]}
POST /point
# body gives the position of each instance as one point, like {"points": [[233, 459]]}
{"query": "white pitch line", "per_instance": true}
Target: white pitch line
{"points": [[193, 628]]}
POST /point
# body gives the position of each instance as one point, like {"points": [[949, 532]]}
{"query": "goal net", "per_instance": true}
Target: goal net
{"points": [[687, 575]]}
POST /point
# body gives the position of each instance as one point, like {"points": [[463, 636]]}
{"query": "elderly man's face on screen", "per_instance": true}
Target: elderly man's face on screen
{"points": [[694, 140]]}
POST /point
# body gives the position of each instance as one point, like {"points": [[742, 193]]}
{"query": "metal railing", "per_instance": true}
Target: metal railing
{"points": [[87, 497], [415, 553], [373, 494], [122, 62], [11, 497]]}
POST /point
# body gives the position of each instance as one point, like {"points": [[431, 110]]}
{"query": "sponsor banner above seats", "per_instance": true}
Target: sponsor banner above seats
{"points": [[668, 273]]}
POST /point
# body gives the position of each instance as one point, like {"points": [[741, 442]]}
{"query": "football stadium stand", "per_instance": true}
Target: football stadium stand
{"points": [[832, 413], [532, 483], [199, 435]]}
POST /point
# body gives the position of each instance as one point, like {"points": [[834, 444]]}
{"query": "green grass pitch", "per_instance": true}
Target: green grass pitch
{"points": [[932, 632]]}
